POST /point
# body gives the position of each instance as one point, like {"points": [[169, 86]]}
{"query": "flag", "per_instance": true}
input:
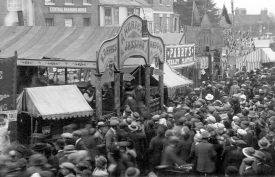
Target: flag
{"points": [[195, 15], [225, 15]]}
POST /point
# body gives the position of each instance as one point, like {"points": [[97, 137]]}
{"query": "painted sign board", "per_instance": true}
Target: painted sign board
{"points": [[67, 9], [8, 84], [177, 55], [128, 43]]}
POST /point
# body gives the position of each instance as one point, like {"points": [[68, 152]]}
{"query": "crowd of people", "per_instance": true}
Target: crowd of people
{"points": [[239, 41], [224, 128]]}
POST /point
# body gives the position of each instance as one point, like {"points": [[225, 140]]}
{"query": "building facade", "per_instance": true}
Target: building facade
{"points": [[66, 13], [165, 19], [50, 12]]}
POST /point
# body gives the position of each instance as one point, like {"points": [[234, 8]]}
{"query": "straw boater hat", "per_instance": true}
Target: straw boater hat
{"points": [[248, 152], [134, 126], [132, 172], [264, 143], [209, 97]]}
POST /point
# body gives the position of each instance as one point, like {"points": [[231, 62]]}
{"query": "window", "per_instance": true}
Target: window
{"points": [[108, 15], [14, 5], [116, 15], [176, 25], [87, 2], [69, 22], [86, 22], [137, 11], [69, 2], [49, 22], [130, 11], [49, 2]]}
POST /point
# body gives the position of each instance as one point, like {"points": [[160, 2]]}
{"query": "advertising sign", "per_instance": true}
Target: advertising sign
{"points": [[178, 55], [129, 43], [130, 40], [68, 10], [8, 84]]}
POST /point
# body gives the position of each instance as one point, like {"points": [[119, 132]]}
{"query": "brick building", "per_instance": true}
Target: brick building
{"points": [[66, 12], [165, 19], [52, 12]]}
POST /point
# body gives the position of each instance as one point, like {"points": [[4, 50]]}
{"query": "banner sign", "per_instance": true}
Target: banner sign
{"points": [[180, 54], [203, 62], [8, 84], [68, 10]]}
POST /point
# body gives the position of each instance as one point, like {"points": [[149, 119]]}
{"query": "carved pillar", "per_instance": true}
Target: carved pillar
{"points": [[98, 97], [161, 87], [147, 86], [117, 92]]}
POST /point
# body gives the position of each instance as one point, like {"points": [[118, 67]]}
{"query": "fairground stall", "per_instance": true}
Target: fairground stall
{"points": [[132, 41], [46, 110]]}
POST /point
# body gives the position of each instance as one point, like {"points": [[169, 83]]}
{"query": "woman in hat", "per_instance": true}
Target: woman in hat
{"points": [[100, 167]]}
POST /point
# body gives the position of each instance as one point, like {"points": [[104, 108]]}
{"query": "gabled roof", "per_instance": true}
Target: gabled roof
{"points": [[206, 23]]}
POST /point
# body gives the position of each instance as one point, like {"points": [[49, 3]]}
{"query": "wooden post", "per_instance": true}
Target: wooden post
{"points": [[98, 97], [117, 92], [161, 87], [147, 86]]}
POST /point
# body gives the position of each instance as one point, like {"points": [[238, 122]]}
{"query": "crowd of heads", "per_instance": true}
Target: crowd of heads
{"points": [[225, 128]]}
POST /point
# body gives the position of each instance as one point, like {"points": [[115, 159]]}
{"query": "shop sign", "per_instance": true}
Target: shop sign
{"points": [[8, 84], [130, 40], [68, 10], [180, 54]]}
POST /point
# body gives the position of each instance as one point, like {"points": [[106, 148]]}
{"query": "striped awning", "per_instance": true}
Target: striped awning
{"points": [[63, 43]]}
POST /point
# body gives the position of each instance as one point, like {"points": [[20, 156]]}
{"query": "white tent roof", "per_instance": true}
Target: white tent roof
{"points": [[54, 102], [173, 80], [268, 56]]}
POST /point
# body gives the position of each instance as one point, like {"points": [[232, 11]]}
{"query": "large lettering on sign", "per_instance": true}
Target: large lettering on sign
{"points": [[180, 54], [8, 84], [129, 43], [108, 55], [130, 40], [156, 50]]}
